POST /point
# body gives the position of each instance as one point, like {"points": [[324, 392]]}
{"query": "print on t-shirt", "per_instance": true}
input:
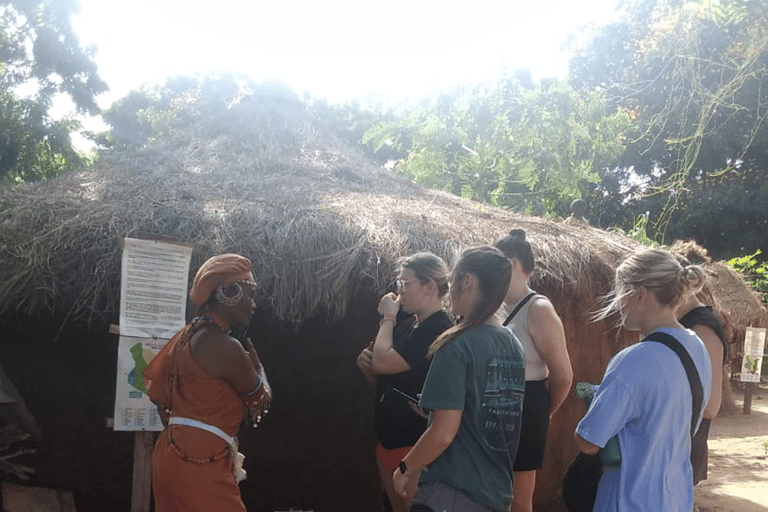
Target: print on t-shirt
{"points": [[502, 405]]}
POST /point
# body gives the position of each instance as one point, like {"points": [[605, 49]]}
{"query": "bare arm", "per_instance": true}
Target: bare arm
{"points": [[365, 363], [386, 359], [222, 356], [585, 446], [432, 443], [546, 330], [715, 350], [436, 439], [250, 350]]}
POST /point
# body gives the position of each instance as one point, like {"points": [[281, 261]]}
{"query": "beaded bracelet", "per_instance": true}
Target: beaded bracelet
{"points": [[255, 390]]}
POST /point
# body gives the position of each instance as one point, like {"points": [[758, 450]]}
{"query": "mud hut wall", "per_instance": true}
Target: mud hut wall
{"points": [[318, 435], [315, 449]]}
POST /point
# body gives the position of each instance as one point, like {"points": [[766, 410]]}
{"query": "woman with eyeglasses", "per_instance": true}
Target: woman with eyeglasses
{"points": [[411, 320], [474, 392]]}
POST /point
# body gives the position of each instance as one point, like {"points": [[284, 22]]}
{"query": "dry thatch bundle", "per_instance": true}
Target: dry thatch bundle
{"points": [[317, 219], [733, 299]]}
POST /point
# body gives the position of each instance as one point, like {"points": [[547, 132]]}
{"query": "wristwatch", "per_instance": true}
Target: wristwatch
{"points": [[402, 466]]}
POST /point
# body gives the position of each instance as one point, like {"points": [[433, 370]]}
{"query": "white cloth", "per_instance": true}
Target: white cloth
{"points": [[187, 422], [239, 458]]}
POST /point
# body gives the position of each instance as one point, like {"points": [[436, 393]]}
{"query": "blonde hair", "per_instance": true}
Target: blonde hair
{"points": [[660, 273]]}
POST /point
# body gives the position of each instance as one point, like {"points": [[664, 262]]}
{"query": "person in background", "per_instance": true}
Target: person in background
{"points": [[548, 371], [645, 396], [698, 317], [578, 214], [204, 383], [399, 361], [474, 392]]}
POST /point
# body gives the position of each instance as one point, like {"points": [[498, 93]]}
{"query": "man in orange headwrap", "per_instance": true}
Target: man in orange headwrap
{"points": [[203, 382]]}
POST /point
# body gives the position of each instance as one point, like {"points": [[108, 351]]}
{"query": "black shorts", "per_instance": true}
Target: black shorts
{"points": [[535, 423], [699, 452]]}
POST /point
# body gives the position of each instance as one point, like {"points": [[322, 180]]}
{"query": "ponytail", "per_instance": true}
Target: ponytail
{"points": [[492, 270]]}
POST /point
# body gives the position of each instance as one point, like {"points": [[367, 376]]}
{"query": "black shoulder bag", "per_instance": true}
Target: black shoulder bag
{"points": [[697, 391], [584, 472]]}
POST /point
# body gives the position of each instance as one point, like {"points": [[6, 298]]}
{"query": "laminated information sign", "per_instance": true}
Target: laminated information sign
{"points": [[153, 290], [754, 345], [153, 300]]}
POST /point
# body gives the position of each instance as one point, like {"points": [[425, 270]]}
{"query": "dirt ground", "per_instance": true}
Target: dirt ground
{"points": [[738, 459]]}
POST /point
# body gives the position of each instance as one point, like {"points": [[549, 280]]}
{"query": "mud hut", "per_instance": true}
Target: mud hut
{"points": [[323, 227]]}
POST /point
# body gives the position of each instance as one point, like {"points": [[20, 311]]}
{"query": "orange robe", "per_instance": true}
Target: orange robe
{"points": [[200, 484]]}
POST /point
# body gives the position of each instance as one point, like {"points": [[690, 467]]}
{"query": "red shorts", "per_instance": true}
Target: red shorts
{"points": [[390, 459]]}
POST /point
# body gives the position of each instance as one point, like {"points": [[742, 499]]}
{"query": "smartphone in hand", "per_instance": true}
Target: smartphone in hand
{"points": [[405, 395]]}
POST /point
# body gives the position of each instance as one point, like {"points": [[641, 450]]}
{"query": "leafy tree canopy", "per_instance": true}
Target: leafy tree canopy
{"points": [[41, 61], [153, 112], [512, 143], [694, 74], [350, 121]]}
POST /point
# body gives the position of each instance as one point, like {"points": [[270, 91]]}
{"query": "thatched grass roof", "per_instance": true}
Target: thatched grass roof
{"points": [[316, 218], [732, 297]]}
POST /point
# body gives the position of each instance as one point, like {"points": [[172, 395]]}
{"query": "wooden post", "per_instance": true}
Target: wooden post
{"points": [[142, 471], [749, 388]]}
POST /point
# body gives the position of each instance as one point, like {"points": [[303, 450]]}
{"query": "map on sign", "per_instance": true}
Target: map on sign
{"points": [[754, 346]]}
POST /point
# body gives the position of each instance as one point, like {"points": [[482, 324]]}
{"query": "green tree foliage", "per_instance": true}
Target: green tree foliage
{"points": [[694, 74], [153, 112], [41, 61], [755, 271], [350, 121], [512, 143]]}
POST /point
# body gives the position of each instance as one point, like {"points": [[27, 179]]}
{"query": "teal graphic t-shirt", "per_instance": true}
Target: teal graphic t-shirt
{"points": [[482, 374]]}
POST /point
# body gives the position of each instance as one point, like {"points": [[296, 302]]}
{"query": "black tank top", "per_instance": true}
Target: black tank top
{"points": [[703, 315]]}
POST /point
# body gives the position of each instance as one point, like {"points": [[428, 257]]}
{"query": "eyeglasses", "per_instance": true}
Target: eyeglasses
{"points": [[400, 283]]}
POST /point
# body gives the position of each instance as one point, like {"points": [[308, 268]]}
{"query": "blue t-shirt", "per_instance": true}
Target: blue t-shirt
{"points": [[645, 397], [481, 373]]}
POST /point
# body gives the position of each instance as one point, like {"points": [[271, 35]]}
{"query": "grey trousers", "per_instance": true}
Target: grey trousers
{"points": [[437, 497]]}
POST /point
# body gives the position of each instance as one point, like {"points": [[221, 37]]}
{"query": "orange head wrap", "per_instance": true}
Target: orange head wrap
{"points": [[218, 270]]}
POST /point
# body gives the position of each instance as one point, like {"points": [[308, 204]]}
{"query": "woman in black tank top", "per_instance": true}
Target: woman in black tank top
{"points": [[700, 319]]}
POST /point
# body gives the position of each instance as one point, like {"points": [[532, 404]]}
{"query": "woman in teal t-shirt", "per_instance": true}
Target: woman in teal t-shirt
{"points": [[474, 392]]}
